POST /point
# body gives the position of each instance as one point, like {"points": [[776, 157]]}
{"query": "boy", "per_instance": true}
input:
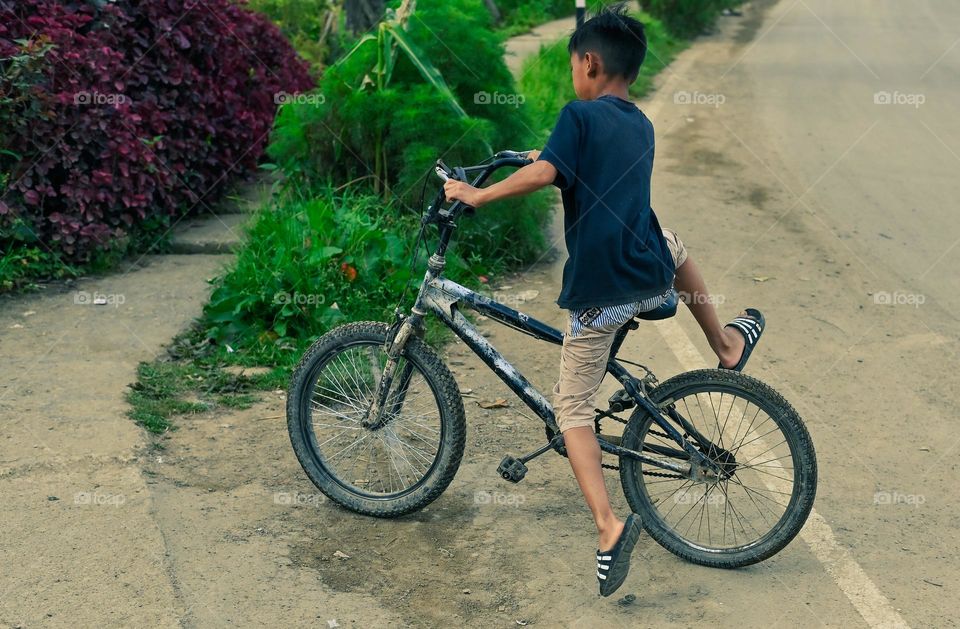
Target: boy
{"points": [[600, 155]]}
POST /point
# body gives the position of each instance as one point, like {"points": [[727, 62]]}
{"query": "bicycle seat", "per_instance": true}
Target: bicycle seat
{"points": [[665, 310]]}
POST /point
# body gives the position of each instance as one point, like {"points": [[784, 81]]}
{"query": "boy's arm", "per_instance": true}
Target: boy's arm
{"points": [[531, 177]]}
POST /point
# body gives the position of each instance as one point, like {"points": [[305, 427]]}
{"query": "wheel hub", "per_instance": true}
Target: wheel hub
{"points": [[724, 463]]}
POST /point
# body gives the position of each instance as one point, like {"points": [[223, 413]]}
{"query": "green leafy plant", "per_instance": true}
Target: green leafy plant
{"points": [[391, 38], [385, 137], [309, 264]]}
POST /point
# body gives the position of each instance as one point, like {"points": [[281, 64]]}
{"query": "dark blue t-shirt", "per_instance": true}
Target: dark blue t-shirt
{"points": [[603, 152]]}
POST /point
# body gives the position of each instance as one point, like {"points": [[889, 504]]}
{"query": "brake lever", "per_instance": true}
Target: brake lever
{"points": [[458, 174], [461, 175]]}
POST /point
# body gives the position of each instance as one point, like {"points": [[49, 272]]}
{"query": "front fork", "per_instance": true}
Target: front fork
{"points": [[399, 333]]}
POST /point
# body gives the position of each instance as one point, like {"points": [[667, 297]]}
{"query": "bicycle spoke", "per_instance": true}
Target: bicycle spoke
{"points": [[734, 511], [386, 459]]}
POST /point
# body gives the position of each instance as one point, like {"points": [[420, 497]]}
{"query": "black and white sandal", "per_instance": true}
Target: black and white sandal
{"points": [[751, 327], [614, 564]]}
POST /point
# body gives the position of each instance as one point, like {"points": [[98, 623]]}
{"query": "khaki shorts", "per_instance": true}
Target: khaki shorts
{"points": [[583, 361], [677, 250]]}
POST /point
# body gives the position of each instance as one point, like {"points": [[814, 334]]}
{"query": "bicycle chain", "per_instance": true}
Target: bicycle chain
{"points": [[610, 466]]}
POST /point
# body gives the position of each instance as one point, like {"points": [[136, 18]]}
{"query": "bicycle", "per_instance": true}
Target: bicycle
{"points": [[377, 420]]}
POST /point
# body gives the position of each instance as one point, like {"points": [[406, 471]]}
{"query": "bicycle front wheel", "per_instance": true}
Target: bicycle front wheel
{"points": [[765, 491], [402, 463]]}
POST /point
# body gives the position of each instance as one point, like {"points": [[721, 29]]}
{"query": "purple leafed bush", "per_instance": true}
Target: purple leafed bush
{"points": [[129, 114]]}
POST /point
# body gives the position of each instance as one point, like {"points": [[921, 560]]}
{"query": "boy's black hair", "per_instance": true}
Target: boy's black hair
{"points": [[618, 38]]}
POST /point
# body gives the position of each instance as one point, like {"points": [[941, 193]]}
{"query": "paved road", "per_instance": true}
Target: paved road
{"points": [[817, 179]]}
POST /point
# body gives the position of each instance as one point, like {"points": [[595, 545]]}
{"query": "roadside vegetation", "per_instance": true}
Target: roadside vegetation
{"points": [[353, 158], [118, 118]]}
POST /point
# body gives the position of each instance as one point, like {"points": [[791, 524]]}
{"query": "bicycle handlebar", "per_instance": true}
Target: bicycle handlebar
{"points": [[444, 172]]}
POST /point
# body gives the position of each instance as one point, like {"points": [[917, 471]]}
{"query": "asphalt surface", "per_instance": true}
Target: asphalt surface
{"points": [[837, 122]]}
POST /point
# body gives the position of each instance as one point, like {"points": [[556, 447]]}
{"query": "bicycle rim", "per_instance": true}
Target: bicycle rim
{"points": [[382, 463]]}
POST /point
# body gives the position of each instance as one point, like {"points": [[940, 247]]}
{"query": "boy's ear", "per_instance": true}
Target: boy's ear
{"points": [[594, 67]]}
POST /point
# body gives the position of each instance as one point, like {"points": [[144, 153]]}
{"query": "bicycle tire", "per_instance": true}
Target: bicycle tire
{"points": [[802, 454], [449, 404]]}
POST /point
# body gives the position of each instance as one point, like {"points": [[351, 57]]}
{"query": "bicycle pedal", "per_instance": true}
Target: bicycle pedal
{"points": [[621, 401], [512, 469]]}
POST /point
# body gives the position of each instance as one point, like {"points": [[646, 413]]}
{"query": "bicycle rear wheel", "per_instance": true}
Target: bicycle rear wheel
{"points": [[390, 469], [766, 489]]}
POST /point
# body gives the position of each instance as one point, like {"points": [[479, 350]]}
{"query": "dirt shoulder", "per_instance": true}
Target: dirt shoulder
{"points": [[80, 544]]}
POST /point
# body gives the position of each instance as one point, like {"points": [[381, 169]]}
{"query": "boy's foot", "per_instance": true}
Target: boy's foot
{"points": [[613, 565], [749, 325]]}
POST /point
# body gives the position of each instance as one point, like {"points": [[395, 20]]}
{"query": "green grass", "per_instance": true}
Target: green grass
{"points": [[192, 380], [158, 394], [519, 16]]}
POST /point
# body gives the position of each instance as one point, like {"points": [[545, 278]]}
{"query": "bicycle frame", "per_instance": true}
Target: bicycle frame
{"points": [[443, 298]]}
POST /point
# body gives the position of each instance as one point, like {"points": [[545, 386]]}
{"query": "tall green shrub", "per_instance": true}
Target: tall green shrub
{"points": [[334, 135], [358, 129]]}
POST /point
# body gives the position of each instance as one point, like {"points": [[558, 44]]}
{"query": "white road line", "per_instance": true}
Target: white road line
{"points": [[875, 609]]}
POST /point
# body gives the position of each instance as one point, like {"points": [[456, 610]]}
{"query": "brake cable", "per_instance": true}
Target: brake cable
{"points": [[415, 254]]}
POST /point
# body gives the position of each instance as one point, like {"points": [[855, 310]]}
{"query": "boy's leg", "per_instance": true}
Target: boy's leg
{"points": [[726, 342], [583, 363], [585, 455]]}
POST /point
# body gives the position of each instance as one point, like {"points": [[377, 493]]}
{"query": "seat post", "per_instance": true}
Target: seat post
{"points": [[621, 334]]}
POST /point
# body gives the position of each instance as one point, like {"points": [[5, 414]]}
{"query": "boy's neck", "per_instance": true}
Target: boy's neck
{"points": [[619, 89]]}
